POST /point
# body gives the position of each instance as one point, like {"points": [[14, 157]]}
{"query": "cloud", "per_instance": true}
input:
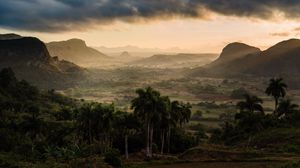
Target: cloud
{"points": [[297, 29], [280, 34], [63, 15]]}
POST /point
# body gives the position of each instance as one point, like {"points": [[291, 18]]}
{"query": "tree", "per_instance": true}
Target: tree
{"points": [[164, 119], [251, 104], [145, 106], [286, 108], [126, 124], [7, 78], [94, 122], [277, 89], [180, 113], [185, 113], [85, 121], [250, 116]]}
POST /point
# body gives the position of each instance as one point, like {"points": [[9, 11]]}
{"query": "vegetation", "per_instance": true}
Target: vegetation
{"points": [[252, 127], [41, 126], [46, 129]]}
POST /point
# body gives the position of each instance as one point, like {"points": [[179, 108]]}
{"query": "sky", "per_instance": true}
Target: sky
{"points": [[192, 25]]}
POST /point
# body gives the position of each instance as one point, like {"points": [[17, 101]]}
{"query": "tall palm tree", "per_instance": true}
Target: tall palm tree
{"points": [[185, 113], [277, 89], [180, 113], [126, 124], [164, 105], [251, 104], [84, 122], [146, 106], [286, 107], [102, 124], [173, 119]]}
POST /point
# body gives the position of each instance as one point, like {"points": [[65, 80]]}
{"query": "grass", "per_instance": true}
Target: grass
{"points": [[279, 139]]}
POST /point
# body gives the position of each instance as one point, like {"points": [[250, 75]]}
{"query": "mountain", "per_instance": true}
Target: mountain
{"points": [[76, 50], [232, 52], [30, 60], [174, 61], [125, 54], [139, 51], [9, 36], [281, 59]]}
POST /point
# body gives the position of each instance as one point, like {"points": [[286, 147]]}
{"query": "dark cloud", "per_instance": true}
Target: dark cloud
{"points": [[60, 15]]}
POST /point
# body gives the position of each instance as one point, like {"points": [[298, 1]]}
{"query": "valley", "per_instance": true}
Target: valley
{"points": [[209, 88], [149, 84]]}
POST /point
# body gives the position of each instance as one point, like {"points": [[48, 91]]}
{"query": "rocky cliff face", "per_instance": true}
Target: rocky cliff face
{"points": [[30, 59]]}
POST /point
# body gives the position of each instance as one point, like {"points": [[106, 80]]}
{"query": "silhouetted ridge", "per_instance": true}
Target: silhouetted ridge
{"points": [[23, 49]]}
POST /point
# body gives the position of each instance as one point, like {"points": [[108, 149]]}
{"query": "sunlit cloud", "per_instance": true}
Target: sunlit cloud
{"points": [[281, 34]]}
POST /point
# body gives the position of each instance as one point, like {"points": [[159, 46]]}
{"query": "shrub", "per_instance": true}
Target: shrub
{"points": [[181, 141], [113, 158]]}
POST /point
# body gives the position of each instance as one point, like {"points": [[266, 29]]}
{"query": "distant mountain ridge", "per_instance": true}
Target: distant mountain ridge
{"points": [[76, 50], [125, 54], [281, 59], [30, 59], [175, 61]]}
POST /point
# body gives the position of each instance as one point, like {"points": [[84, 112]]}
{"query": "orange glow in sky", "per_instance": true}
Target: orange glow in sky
{"points": [[193, 35]]}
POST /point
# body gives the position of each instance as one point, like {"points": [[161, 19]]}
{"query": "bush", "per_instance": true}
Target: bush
{"points": [[181, 141], [113, 158], [216, 136]]}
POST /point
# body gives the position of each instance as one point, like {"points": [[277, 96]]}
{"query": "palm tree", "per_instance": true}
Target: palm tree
{"points": [[185, 113], [251, 104], [145, 106], [173, 119], [180, 113], [84, 122], [277, 89], [94, 123], [286, 107], [164, 117], [103, 116], [251, 112], [126, 124]]}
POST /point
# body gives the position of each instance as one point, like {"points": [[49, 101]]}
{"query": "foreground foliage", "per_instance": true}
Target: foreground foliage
{"points": [[46, 129]]}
